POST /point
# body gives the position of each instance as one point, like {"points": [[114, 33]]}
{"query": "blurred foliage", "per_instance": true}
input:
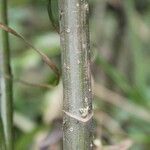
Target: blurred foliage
{"points": [[120, 35]]}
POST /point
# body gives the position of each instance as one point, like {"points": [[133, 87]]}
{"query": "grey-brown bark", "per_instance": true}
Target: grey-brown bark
{"points": [[74, 32]]}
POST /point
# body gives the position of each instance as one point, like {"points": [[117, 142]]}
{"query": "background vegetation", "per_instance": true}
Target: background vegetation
{"points": [[120, 35]]}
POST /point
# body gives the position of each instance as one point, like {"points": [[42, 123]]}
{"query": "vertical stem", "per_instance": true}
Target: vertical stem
{"points": [[77, 107], [6, 102], [2, 139]]}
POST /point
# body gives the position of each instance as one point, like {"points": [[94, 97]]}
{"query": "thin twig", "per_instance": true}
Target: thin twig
{"points": [[45, 58], [51, 17], [27, 83]]}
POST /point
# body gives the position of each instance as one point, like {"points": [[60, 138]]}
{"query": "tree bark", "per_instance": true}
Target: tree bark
{"points": [[77, 105], [6, 85]]}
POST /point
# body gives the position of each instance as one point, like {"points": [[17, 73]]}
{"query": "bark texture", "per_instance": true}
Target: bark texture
{"points": [[77, 105]]}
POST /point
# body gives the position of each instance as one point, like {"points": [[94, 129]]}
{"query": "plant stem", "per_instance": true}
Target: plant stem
{"points": [[77, 107], [7, 100], [2, 139]]}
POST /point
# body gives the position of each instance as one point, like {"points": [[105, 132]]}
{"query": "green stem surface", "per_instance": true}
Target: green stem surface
{"points": [[2, 139], [6, 85], [77, 105]]}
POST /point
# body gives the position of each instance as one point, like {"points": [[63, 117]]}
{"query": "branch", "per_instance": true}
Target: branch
{"points": [[44, 57]]}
